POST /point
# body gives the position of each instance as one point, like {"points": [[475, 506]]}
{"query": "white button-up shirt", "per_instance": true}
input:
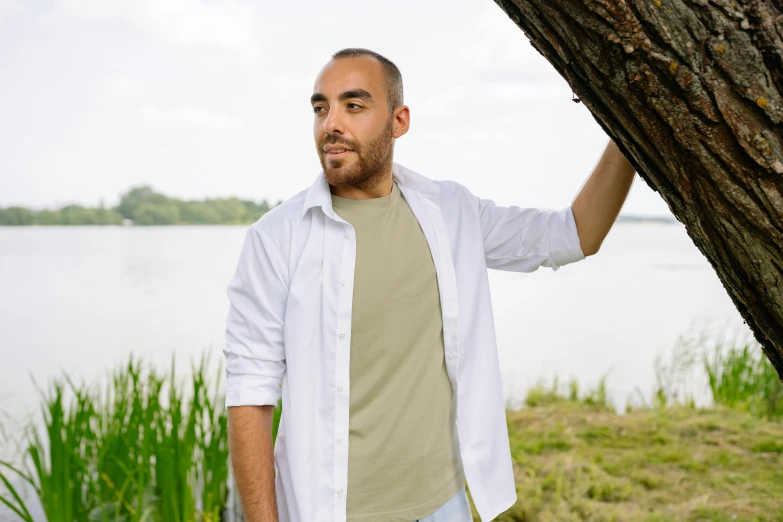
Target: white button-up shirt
{"points": [[290, 319]]}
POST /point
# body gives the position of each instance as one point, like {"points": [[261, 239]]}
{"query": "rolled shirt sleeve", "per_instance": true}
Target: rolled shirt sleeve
{"points": [[523, 239], [254, 345]]}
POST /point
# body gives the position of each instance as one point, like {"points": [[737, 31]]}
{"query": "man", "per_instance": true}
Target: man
{"points": [[367, 295]]}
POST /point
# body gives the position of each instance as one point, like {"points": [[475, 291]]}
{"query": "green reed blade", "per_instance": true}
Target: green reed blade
{"points": [[21, 510]]}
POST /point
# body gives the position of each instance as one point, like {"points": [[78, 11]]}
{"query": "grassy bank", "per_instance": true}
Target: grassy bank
{"points": [[577, 461], [152, 447]]}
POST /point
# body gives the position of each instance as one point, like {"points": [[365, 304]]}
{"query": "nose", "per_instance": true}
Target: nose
{"points": [[333, 123]]}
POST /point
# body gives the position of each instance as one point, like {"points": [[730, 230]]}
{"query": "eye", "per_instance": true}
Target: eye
{"points": [[315, 109], [355, 104]]}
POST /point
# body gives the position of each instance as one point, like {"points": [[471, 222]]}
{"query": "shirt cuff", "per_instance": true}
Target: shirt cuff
{"points": [[252, 391], [570, 250]]}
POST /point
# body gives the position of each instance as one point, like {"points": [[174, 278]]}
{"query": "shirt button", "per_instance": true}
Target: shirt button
{"points": [[339, 388], [347, 235], [342, 336], [344, 282], [339, 440], [340, 491]]}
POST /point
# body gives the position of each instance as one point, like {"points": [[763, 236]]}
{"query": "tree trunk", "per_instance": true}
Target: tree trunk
{"points": [[692, 93]]}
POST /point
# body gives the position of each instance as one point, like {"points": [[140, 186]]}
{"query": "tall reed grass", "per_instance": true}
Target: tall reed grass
{"points": [[736, 375], [736, 372], [741, 377], [150, 448]]}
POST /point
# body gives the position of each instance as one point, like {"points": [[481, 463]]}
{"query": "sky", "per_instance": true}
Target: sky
{"points": [[205, 98]]}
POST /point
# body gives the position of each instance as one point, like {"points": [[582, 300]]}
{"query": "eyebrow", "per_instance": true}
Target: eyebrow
{"points": [[353, 93]]}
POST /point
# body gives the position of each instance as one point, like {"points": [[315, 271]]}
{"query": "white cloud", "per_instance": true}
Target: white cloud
{"points": [[497, 130], [441, 136], [502, 43], [10, 6], [528, 92], [226, 25], [123, 86], [442, 103], [473, 135], [489, 136], [287, 87], [189, 116]]}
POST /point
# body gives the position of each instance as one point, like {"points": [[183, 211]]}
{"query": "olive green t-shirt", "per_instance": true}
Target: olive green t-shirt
{"points": [[403, 453]]}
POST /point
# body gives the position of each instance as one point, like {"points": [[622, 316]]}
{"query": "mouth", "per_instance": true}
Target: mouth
{"points": [[338, 155]]}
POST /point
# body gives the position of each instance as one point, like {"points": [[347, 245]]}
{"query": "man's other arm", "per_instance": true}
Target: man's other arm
{"points": [[256, 364], [252, 459]]}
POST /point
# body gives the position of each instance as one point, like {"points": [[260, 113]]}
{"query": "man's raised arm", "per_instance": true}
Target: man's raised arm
{"points": [[601, 198], [523, 239]]}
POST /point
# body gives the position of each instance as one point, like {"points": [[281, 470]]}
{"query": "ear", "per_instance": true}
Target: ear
{"points": [[402, 120]]}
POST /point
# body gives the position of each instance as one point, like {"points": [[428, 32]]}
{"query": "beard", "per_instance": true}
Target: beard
{"points": [[370, 165]]}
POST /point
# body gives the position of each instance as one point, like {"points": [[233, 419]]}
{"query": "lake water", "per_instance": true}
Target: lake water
{"points": [[80, 299]]}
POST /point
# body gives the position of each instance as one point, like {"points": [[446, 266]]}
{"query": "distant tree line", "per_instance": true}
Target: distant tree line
{"points": [[143, 206]]}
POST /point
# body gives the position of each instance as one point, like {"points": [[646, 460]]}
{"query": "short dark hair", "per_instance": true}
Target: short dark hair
{"points": [[392, 75]]}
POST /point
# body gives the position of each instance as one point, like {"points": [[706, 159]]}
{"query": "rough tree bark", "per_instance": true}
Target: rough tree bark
{"points": [[692, 93]]}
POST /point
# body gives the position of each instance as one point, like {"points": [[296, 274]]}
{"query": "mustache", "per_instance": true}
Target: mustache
{"points": [[336, 142]]}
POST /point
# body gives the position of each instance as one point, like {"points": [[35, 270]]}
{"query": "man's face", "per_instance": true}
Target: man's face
{"points": [[350, 112]]}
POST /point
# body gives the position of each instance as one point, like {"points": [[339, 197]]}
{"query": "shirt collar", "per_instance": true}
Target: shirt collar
{"points": [[319, 195]]}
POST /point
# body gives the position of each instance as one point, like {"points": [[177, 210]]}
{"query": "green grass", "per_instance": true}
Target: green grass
{"points": [[151, 448], [738, 375], [575, 461], [743, 378]]}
